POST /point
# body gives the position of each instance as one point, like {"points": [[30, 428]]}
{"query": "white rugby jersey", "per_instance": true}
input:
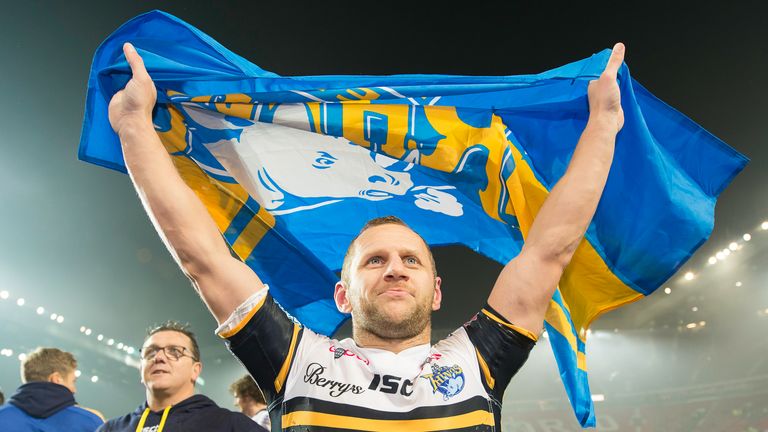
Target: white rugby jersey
{"points": [[315, 383]]}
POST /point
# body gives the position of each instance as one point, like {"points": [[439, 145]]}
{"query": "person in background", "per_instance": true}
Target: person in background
{"points": [[46, 399], [250, 401], [170, 366]]}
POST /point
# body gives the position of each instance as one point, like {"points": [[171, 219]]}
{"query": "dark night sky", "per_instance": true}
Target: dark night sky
{"points": [[77, 241]]}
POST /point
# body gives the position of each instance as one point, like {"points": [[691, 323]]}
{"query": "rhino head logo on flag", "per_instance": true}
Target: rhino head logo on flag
{"points": [[289, 169]]}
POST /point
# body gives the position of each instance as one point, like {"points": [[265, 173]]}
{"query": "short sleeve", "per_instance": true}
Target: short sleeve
{"points": [[262, 336], [501, 348]]}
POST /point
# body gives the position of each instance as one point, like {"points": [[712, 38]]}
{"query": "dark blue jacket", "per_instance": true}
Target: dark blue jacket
{"points": [[45, 407], [196, 413]]}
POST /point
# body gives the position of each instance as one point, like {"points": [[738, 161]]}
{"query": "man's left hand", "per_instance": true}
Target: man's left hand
{"points": [[604, 95]]}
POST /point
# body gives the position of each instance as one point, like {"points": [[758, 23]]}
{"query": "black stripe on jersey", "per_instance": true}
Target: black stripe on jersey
{"points": [[503, 349], [441, 411], [263, 345]]}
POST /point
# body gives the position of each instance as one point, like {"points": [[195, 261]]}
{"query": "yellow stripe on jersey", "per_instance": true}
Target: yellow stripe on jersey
{"points": [[244, 321], [309, 418], [529, 334], [280, 380], [486, 371]]}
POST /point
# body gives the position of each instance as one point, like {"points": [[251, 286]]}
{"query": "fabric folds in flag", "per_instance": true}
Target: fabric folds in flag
{"points": [[290, 168]]}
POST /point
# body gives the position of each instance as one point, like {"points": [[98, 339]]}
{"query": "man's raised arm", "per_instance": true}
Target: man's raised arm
{"points": [[178, 215], [526, 284]]}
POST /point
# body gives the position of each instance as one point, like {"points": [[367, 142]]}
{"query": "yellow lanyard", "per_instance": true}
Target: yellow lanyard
{"points": [[140, 426]]}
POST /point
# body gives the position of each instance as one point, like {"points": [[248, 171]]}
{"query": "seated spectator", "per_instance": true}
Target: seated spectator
{"points": [[250, 401], [170, 365], [46, 400]]}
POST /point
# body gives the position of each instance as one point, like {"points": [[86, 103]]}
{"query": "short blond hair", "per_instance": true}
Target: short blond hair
{"points": [[385, 220], [42, 362]]}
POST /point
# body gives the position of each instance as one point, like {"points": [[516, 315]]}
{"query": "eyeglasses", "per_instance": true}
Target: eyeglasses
{"points": [[173, 352]]}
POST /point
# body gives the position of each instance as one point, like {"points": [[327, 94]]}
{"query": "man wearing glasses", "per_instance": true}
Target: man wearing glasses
{"points": [[170, 365]]}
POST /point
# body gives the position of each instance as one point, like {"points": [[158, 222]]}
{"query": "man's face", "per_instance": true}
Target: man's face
{"points": [[161, 372], [392, 288]]}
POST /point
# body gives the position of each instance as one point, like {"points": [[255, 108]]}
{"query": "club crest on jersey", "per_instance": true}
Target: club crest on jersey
{"points": [[448, 380]]}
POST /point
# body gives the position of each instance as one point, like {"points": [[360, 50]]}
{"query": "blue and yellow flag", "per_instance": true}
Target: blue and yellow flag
{"points": [[290, 168]]}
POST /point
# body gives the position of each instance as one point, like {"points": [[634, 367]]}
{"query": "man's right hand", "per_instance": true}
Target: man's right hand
{"points": [[182, 220], [135, 102]]}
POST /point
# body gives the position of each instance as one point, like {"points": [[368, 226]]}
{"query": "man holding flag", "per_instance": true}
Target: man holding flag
{"points": [[387, 377]]}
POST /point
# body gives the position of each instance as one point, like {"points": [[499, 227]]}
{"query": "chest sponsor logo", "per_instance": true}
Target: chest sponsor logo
{"points": [[448, 380], [391, 384], [314, 376], [342, 352]]}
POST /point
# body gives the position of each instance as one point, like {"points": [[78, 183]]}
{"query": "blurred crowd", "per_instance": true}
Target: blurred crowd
{"points": [[170, 366]]}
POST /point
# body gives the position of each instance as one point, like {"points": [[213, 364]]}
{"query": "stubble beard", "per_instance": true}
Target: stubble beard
{"points": [[373, 320]]}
